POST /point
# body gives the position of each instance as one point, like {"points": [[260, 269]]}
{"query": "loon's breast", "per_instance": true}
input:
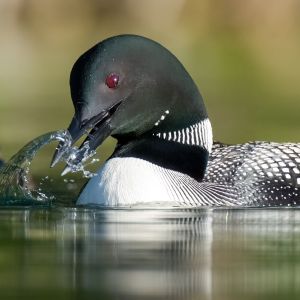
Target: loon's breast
{"points": [[126, 181], [132, 181]]}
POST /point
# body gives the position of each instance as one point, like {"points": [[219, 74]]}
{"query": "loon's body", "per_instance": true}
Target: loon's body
{"points": [[135, 90], [254, 174]]}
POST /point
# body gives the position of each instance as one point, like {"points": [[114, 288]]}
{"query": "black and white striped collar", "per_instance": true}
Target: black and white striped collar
{"points": [[198, 134]]}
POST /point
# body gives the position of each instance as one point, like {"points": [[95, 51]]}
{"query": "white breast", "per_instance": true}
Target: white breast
{"points": [[126, 182]]}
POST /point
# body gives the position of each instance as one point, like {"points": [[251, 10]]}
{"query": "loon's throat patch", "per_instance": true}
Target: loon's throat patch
{"points": [[198, 134]]}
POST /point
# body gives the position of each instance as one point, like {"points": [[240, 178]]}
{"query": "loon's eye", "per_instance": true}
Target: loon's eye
{"points": [[112, 80]]}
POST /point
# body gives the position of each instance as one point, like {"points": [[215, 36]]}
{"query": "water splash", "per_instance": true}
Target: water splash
{"points": [[16, 187], [15, 183], [77, 158]]}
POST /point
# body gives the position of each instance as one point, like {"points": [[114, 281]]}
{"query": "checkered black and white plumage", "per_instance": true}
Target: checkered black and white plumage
{"points": [[263, 173]]}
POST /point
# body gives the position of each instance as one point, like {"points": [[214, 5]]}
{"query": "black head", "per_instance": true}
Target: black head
{"points": [[124, 85]]}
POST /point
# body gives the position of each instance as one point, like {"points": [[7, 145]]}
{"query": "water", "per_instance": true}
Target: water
{"points": [[15, 184], [59, 251], [76, 253]]}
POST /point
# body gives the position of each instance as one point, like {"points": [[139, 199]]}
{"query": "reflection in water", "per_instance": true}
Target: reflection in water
{"points": [[150, 254]]}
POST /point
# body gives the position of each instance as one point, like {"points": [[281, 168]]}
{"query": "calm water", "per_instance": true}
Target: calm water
{"points": [[76, 253]]}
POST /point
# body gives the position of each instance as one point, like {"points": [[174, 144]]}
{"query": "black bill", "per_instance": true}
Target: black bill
{"points": [[97, 130]]}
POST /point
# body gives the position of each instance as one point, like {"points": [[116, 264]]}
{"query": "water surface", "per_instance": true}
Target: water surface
{"points": [[80, 253]]}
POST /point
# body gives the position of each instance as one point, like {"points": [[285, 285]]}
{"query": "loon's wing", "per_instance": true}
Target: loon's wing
{"points": [[266, 174]]}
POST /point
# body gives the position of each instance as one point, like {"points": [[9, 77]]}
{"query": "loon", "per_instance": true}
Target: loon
{"points": [[135, 90]]}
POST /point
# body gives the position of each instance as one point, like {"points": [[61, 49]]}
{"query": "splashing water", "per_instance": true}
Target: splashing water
{"points": [[76, 158], [15, 183]]}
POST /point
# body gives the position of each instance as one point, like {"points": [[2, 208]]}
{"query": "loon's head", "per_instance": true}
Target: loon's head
{"points": [[131, 88]]}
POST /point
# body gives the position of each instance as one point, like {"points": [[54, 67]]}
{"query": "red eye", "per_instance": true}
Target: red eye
{"points": [[112, 80]]}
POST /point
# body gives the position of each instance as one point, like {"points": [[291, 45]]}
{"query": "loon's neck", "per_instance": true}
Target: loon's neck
{"points": [[185, 150]]}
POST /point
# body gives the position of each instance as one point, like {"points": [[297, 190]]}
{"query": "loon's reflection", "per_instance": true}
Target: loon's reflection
{"points": [[167, 254], [141, 253]]}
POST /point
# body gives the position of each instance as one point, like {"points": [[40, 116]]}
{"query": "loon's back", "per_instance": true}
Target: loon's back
{"points": [[264, 173]]}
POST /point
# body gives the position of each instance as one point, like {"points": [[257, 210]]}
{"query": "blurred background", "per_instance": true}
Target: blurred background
{"points": [[244, 56]]}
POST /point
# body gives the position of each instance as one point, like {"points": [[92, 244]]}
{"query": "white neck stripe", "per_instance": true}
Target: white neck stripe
{"points": [[199, 134]]}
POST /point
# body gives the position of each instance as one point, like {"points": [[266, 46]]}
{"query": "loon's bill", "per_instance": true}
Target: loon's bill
{"points": [[135, 90], [97, 130]]}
